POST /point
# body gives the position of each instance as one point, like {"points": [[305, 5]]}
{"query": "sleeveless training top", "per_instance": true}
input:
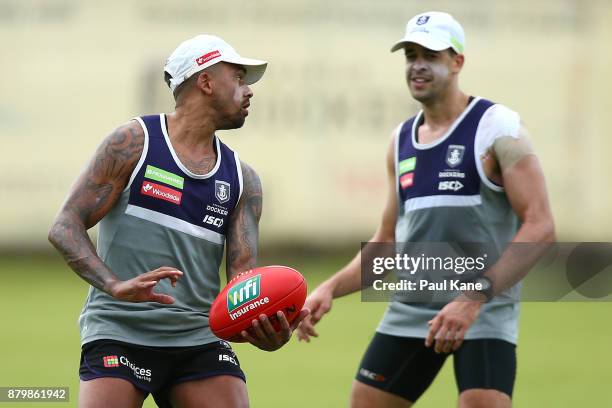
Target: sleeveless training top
{"points": [[166, 216], [445, 196]]}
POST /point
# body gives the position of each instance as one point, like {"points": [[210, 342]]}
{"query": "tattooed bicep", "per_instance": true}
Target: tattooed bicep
{"points": [[107, 174], [252, 194], [243, 231]]}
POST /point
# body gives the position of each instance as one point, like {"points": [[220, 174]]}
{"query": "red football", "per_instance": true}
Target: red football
{"points": [[264, 290]]}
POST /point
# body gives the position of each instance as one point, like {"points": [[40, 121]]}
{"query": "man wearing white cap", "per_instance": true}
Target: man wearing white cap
{"points": [[168, 196], [460, 171]]}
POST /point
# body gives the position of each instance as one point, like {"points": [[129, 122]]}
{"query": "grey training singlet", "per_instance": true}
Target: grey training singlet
{"points": [[445, 196], [166, 216]]}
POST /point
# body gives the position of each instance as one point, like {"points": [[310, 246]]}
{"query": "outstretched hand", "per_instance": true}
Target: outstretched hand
{"points": [[319, 302], [263, 335], [140, 288]]}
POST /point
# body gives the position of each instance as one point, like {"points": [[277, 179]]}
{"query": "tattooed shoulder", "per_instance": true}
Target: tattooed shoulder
{"points": [[119, 152], [99, 186]]}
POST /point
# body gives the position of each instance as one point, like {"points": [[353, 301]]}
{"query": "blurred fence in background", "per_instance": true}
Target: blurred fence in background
{"points": [[321, 118]]}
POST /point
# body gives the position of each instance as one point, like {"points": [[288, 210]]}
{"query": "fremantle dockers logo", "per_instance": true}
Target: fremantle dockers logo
{"points": [[422, 20], [454, 155], [222, 191]]}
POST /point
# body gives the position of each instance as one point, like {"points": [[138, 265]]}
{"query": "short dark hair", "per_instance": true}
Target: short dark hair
{"points": [[175, 93]]}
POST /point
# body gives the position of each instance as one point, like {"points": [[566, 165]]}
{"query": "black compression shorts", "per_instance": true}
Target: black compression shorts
{"points": [[405, 367], [155, 370]]}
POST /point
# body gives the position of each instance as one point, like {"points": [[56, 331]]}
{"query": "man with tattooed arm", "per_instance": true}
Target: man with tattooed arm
{"points": [[168, 196]]}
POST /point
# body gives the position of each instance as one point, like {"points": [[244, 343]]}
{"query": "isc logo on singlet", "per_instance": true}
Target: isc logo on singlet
{"points": [[450, 185], [217, 222]]}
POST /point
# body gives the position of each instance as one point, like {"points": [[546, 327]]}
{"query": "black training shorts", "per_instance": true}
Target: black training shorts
{"points": [[155, 370], [405, 367]]}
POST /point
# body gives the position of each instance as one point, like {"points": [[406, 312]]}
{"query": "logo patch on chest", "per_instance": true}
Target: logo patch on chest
{"points": [[222, 191], [406, 171], [164, 176], [212, 220], [407, 180], [161, 192], [454, 185], [454, 155], [407, 165]]}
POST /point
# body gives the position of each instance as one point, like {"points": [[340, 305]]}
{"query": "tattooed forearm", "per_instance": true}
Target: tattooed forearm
{"points": [[91, 198], [70, 238], [243, 231]]}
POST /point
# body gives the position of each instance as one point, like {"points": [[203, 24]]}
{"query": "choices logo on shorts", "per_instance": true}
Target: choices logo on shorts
{"points": [[111, 361], [139, 372]]}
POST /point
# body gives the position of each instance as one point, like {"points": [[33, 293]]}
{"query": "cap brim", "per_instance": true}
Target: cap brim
{"points": [[254, 68], [422, 39]]}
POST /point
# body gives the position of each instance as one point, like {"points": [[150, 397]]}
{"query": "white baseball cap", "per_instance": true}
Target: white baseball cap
{"points": [[201, 52], [434, 30]]}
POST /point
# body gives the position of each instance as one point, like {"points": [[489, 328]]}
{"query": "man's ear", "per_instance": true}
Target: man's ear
{"points": [[458, 62], [204, 82]]}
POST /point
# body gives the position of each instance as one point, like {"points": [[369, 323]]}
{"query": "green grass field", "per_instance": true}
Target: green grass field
{"points": [[563, 354]]}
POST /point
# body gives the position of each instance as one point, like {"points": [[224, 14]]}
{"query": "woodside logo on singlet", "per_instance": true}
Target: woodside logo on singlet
{"points": [[159, 191], [162, 192]]}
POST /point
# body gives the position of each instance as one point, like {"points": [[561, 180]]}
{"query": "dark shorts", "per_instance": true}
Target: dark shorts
{"points": [[155, 370], [405, 367]]}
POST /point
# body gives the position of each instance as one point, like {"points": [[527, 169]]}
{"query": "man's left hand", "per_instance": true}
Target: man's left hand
{"points": [[262, 334], [448, 328]]}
